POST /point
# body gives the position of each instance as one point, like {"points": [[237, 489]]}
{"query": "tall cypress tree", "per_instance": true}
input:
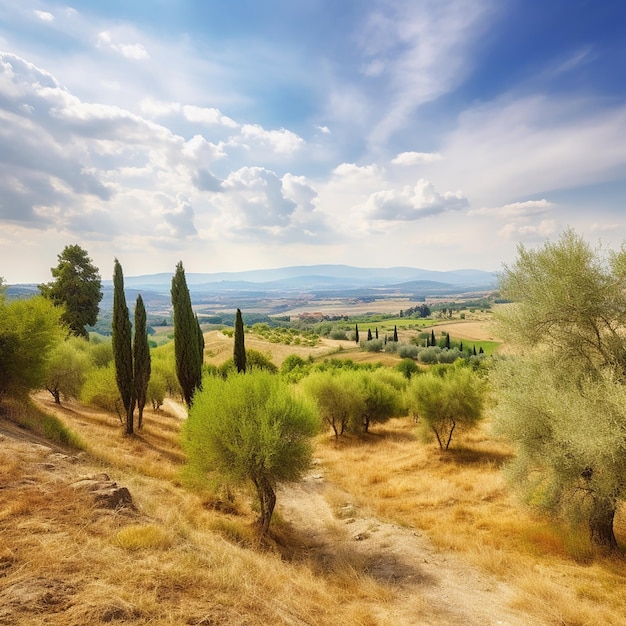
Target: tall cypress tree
{"points": [[141, 358], [239, 354], [356, 333], [447, 341], [376, 332], [122, 347], [187, 338], [369, 334], [433, 341], [395, 334]]}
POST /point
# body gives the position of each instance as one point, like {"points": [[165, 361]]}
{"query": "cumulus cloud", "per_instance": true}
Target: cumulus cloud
{"points": [[416, 158], [413, 202], [281, 141], [254, 199], [178, 217], [133, 51], [209, 116]]}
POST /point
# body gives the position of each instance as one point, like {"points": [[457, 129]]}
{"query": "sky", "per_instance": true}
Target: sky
{"points": [[436, 134]]}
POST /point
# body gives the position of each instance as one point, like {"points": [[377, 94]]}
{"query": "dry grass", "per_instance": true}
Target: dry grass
{"points": [[193, 557], [460, 500]]}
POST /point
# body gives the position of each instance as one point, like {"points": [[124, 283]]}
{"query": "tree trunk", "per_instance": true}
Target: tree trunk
{"points": [[267, 502], [56, 394], [601, 524]]}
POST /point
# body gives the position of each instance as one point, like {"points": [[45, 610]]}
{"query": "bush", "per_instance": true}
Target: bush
{"points": [[429, 355], [373, 345], [407, 367], [100, 390], [338, 333], [407, 351]]}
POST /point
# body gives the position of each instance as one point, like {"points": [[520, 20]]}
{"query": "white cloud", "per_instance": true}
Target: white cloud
{"points": [[158, 108], [209, 116], [44, 16], [516, 147], [133, 51], [516, 209], [413, 202], [323, 129], [281, 141], [529, 232], [416, 158]]}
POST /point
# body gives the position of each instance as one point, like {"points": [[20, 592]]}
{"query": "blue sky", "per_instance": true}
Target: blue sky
{"points": [[242, 135]]}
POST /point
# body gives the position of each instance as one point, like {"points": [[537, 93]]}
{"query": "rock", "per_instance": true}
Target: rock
{"points": [[106, 492]]}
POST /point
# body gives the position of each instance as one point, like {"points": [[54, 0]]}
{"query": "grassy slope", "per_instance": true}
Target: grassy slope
{"points": [[193, 558]]}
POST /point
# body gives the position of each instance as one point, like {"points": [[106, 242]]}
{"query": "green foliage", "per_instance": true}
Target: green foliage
{"points": [[258, 361], [122, 347], [568, 421], [381, 399], [239, 350], [187, 338], [250, 428], [101, 353], [338, 398], [66, 368], [141, 359], [29, 330], [100, 390], [408, 367], [76, 289], [291, 362], [446, 400], [373, 345]]}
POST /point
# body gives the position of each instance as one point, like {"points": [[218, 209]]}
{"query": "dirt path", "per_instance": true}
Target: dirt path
{"points": [[430, 587]]}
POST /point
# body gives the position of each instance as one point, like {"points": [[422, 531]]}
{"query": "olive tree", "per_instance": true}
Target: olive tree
{"points": [[66, 368], [568, 420], [29, 330], [337, 397], [250, 428], [447, 400]]}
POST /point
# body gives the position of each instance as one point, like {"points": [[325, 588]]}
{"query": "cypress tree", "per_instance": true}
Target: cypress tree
{"points": [[369, 334], [356, 333], [200, 342], [376, 332], [474, 350], [239, 354], [141, 358], [395, 334], [461, 347], [447, 341], [122, 347], [433, 341], [187, 337]]}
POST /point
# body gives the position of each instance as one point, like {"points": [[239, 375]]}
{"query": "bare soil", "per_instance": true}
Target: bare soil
{"points": [[433, 587]]}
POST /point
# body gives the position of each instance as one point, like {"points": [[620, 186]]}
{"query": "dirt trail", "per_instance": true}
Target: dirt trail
{"points": [[431, 587]]}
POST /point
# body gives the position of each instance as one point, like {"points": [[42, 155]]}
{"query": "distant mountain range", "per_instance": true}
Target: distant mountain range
{"points": [[318, 278], [277, 290]]}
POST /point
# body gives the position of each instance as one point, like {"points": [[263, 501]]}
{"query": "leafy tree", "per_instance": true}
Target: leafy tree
{"points": [[250, 428], [29, 330], [100, 390], [66, 369], [122, 348], [408, 367], [188, 338], [338, 398], [567, 320], [447, 400], [380, 402], [141, 359], [76, 289], [239, 352]]}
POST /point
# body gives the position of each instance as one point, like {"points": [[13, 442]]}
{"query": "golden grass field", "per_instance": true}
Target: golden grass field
{"points": [[385, 530]]}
